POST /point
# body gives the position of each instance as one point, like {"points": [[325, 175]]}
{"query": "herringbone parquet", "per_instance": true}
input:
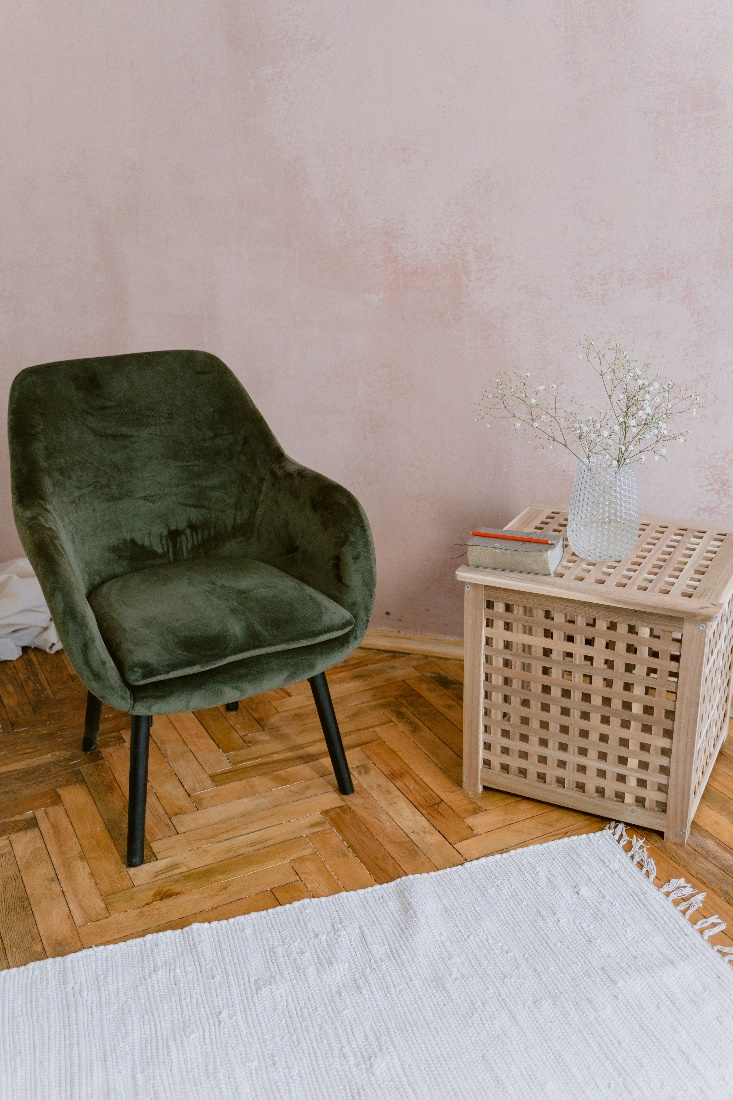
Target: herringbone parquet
{"points": [[243, 809]]}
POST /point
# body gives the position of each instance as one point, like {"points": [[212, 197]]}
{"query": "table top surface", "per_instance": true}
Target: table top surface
{"points": [[678, 568]]}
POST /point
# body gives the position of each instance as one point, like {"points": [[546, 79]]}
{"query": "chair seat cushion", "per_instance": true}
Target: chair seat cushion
{"points": [[189, 616]]}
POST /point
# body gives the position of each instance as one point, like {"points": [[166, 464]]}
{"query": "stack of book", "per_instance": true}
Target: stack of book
{"points": [[518, 551]]}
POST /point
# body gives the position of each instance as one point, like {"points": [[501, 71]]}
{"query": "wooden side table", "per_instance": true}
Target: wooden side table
{"points": [[607, 686]]}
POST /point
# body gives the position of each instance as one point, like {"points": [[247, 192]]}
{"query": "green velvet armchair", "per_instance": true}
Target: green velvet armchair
{"points": [[187, 561]]}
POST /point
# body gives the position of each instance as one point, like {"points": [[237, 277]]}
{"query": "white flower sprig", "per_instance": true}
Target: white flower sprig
{"points": [[637, 420]]}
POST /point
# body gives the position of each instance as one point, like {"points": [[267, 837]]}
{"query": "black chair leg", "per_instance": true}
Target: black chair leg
{"points": [[231, 706], [324, 706], [91, 723], [140, 729]]}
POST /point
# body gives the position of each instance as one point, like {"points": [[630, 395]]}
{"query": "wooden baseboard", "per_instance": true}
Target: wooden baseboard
{"points": [[414, 643]]}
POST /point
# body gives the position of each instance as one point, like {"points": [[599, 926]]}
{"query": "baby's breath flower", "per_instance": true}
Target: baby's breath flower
{"points": [[633, 424]]}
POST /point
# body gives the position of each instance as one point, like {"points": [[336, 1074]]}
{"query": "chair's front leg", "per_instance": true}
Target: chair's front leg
{"points": [[140, 741], [324, 706], [91, 723]]}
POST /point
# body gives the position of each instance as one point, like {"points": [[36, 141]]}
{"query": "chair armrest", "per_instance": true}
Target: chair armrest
{"points": [[316, 531], [65, 594]]}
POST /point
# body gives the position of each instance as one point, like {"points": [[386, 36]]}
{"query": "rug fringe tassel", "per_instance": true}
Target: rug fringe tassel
{"points": [[677, 889], [637, 853]]}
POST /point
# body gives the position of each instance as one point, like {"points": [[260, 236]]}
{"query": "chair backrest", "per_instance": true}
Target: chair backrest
{"points": [[136, 459]]}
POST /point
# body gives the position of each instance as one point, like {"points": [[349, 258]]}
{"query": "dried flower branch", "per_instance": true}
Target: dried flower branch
{"points": [[637, 421]]}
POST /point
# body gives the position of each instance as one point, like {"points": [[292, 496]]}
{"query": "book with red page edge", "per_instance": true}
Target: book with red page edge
{"points": [[514, 551]]}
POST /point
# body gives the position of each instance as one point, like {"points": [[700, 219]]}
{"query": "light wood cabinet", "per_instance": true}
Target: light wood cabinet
{"points": [[605, 687]]}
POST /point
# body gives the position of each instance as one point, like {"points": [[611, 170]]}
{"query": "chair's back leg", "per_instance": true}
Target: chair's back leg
{"points": [[231, 706], [140, 741], [91, 723], [335, 745]]}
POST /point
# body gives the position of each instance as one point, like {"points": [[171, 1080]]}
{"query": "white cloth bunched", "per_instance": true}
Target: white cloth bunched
{"points": [[24, 616]]}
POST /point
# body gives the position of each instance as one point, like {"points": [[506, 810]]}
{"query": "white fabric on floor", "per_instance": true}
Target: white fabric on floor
{"points": [[24, 617], [556, 972]]}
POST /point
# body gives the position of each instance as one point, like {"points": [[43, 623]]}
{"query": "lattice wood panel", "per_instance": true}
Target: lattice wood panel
{"points": [[579, 700], [670, 559], [714, 699]]}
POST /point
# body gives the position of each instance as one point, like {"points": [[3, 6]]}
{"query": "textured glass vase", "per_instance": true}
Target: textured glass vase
{"points": [[603, 523]]}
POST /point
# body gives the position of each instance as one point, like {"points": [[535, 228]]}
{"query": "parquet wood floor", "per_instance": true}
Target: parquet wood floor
{"points": [[243, 809]]}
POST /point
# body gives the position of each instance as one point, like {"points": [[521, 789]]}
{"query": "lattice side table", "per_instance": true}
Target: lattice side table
{"points": [[607, 686]]}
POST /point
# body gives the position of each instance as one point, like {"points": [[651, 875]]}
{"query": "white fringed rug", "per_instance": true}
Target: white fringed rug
{"points": [[556, 971]]}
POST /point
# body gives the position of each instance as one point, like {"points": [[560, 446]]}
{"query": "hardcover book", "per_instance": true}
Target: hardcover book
{"points": [[517, 551]]}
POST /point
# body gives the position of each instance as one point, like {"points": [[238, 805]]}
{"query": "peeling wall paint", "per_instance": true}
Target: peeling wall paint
{"points": [[367, 210]]}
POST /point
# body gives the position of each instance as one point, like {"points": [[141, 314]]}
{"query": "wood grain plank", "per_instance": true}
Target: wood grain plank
{"points": [[438, 850], [76, 879], [282, 733], [301, 709], [517, 834], [260, 707], [257, 903], [363, 843], [36, 686], [252, 804], [170, 791], [241, 721], [438, 813], [435, 721], [449, 707], [445, 674], [279, 759], [135, 921], [196, 878], [722, 781], [340, 860], [315, 874], [430, 773], [385, 829], [507, 813], [703, 845], [55, 675], [320, 767], [175, 750], [19, 933], [53, 917], [15, 700], [292, 891], [100, 853], [157, 822], [718, 800], [398, 669], [489, 799], [449, 760], [203, 747], [716, 824], [366, 685], [238, 826], [112, 806], [270, 781], [221, 732], [162, 868], [589, 825]]}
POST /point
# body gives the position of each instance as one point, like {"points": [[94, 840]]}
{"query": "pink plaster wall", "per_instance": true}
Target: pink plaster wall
{"points": [[367, 209]]}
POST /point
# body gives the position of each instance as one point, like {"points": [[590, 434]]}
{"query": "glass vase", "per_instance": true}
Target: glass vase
{"points": [[603, 523]]}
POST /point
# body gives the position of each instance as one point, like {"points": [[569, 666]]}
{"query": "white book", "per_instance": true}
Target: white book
{"points": [[514, 555]]}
